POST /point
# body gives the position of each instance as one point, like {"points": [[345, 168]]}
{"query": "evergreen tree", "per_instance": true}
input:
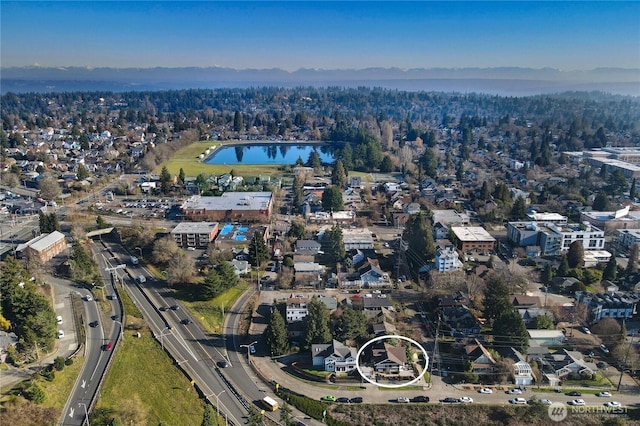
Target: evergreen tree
{"points": [[314, 160], [333, 245], [601, 202], [386, 166], [351, 325], [212, 286], [485, 193], [339, 175], [237, 121], [563, 269], [419, 237], [496, 297], [611, 270], [575, 255], [165, 180], [509, 330], [429, 163], [519, 209], [316, 323], [632, 190], [332, 199], [181, 176], [547, 274], [83, 173], [632, 264], [276, 335], [460, 172], [258, 251], [227, 274]]}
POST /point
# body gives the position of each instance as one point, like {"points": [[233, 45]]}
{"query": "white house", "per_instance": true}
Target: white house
{"points": [[240, 267], [334, 356], [447, 260], [296, 308]]}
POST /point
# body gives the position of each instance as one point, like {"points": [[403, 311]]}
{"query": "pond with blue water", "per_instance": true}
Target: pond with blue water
{"points": [[275, 153]]}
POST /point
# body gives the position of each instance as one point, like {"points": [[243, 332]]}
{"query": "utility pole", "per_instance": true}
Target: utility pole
{"points": [[435, 349], [626, 356]]}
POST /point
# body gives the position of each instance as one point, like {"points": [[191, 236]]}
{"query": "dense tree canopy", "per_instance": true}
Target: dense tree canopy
{"points": [[276, 334], [332, 199], [316, 323]]}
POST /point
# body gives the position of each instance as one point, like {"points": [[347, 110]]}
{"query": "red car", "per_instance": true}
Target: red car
{"points": [[108, 346]]}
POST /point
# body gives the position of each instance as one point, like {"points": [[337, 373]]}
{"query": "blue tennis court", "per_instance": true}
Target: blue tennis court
{"points": [[227, 228]]}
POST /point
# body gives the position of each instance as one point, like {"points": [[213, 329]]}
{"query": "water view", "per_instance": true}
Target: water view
{"points": [[268, 154]]}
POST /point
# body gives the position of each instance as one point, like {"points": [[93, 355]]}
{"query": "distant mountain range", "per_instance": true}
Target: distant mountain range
{"points": [[511, 81]]}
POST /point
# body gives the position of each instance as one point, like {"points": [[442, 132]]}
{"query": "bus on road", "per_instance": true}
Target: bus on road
{"points": [[270, 403]]}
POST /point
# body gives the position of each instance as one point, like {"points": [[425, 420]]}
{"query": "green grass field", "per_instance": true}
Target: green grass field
{"points": [[209, 312], [187, 159], [59, 390]]}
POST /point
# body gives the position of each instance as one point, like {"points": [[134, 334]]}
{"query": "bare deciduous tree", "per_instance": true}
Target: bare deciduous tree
{"points": [[180, 269], [165, 249], [49, 188]]}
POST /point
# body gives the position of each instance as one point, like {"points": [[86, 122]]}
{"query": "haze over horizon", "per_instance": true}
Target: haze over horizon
{"points": [[292, 36]]}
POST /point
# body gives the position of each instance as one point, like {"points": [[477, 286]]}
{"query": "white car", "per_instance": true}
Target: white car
{"points": [[604, 394], [88, 298], [403, 399], [485, 390], [514, 391], [518, 401], [612, 404], [59, 319], [545, 402], [579, 402], [60, 334], [466, 400]]}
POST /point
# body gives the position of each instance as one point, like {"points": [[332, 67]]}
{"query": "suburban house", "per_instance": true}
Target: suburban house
{"points": [[522, 372], [481, 360], [240, 267], [334, 357], [451, 300], [460, 320], [389, 359], [308, 247], [296, 308], [616, 305], [372, 304], [559, 365]]}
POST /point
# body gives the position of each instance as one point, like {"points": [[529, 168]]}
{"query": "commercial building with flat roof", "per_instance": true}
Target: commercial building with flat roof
{"points": [[358, 238], [195, 234], [469, 238], [230, 206]]}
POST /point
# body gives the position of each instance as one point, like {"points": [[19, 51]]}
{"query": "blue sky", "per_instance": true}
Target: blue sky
{"points": [[330, 35]]}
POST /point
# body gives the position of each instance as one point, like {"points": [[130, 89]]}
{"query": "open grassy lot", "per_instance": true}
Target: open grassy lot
{"points": [[209, 312], [143, 386], [59, 389], [187, 159]]}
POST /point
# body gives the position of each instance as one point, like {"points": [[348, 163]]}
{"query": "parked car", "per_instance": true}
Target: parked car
{"points": [[604, 349], [466, 399], [60, 334], [577, 402], [574, 393], [604, 394], [485, 390], [518, 401], [403, 399], [545, 401], [514, 391], [329, 398], [356, 400], [252, 349], [449, 400], [342, 399], [586, 330], [420, 398], [59, 319], [612, 404]]}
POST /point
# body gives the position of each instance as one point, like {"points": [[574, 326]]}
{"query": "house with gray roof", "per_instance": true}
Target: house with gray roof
{"points": [[334, 357]]}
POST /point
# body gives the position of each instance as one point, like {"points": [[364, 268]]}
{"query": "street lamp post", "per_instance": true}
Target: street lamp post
{"points": [[86, 415], [218, 400], [162, 336]]}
